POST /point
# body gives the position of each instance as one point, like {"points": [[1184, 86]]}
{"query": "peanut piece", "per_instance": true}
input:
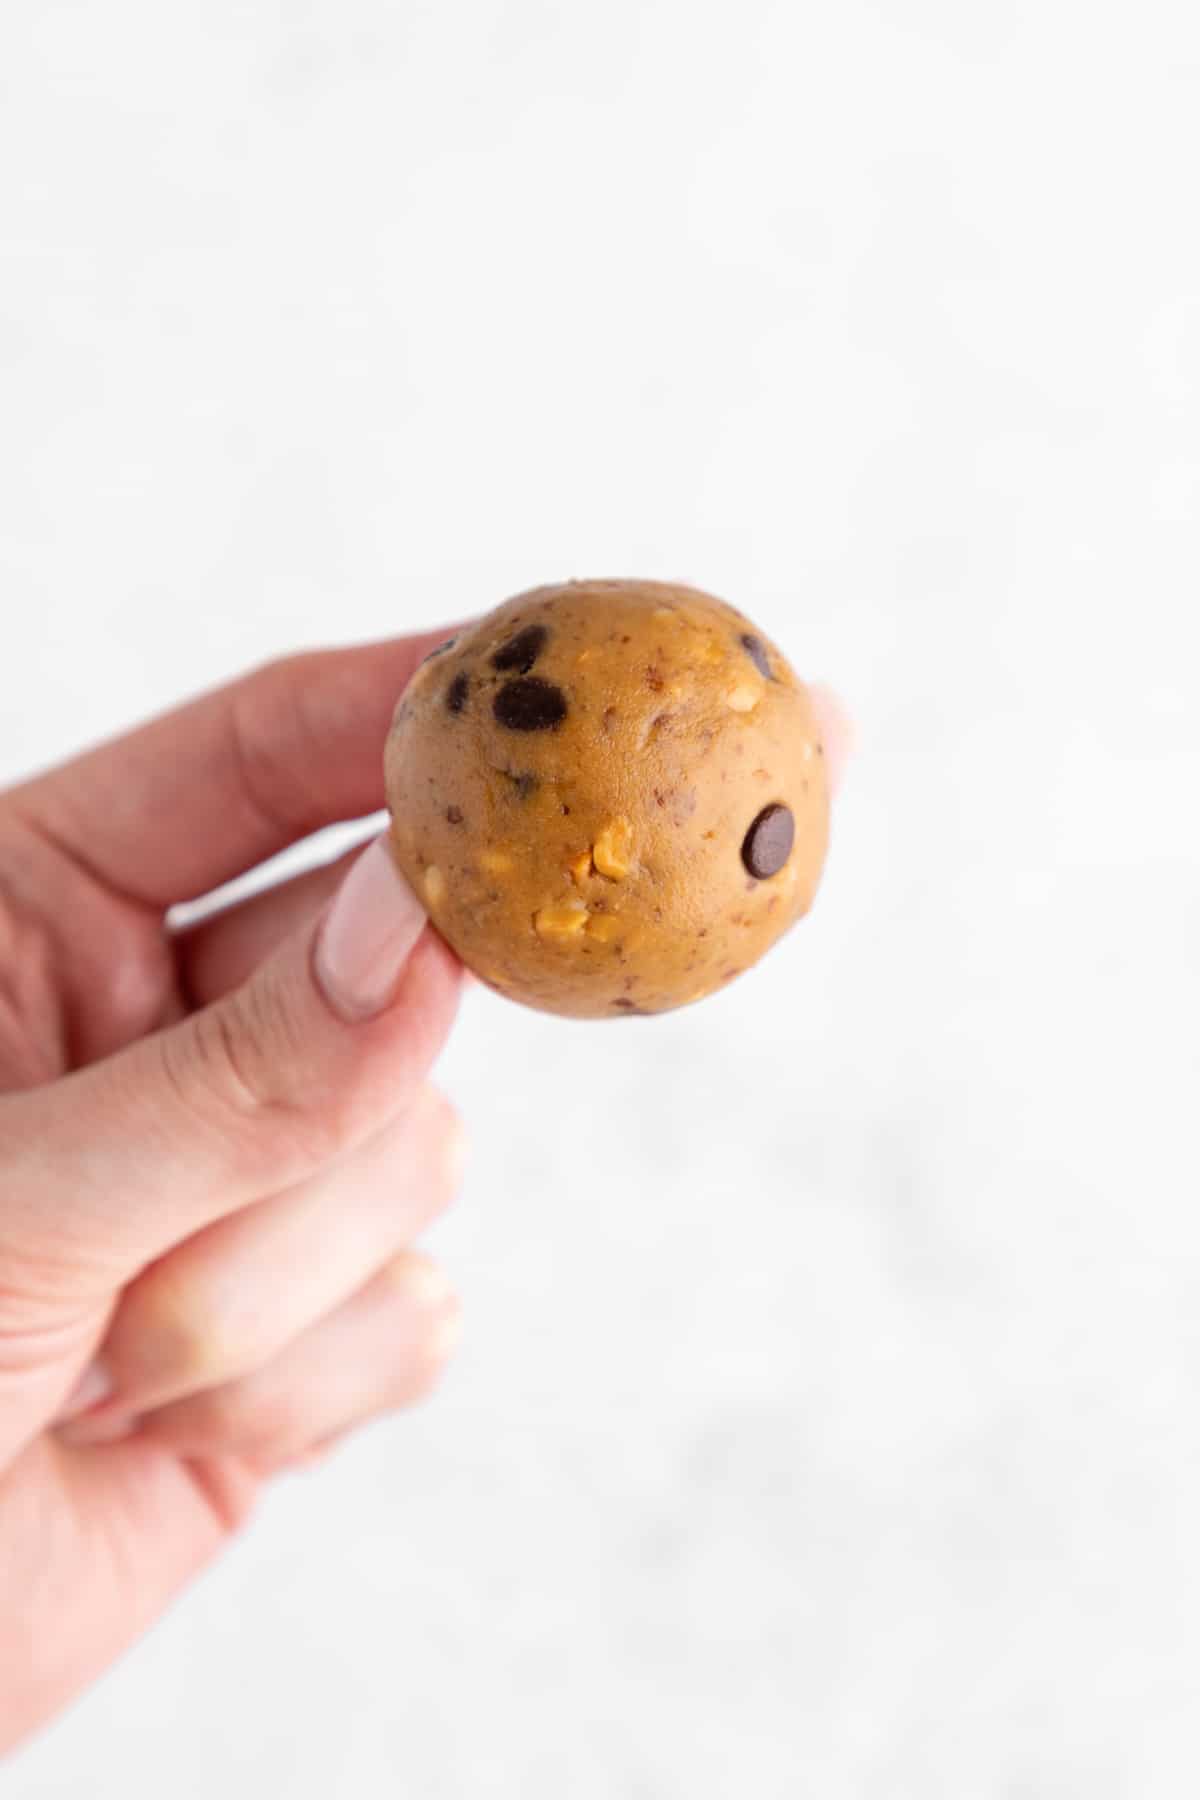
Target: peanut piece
{"points": [[612, 852], [744, 697], [562, 919], [581, 868], [495, 862], [435, 886]]}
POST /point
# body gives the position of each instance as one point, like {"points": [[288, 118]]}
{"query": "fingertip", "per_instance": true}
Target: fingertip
{"points": [[423, 1283], [837, 730]]}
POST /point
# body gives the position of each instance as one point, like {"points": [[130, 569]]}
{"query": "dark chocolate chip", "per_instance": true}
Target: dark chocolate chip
{"points": [[757, 652], [628, 1006], [521, 652], [441, 649], [457, 693], [454, 815], [530, 704], [769, 842]]}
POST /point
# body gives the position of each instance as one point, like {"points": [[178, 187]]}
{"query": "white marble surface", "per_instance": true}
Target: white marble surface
{"points": [[828, 1421]]}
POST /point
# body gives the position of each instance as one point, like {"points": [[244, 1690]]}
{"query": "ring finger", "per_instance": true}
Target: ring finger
{"points": [[382, 1349], [228, 1300]]}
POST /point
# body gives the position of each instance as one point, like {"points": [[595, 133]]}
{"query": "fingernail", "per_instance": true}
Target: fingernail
{"points": [[368, 935], [94, 1385], [106, 1429]]}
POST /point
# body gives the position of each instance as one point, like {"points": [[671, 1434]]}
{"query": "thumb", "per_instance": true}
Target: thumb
{"points": [[317, 1051]]}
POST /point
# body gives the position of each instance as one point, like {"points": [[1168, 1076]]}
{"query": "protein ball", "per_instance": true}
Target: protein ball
{"points": [[611, 796]]}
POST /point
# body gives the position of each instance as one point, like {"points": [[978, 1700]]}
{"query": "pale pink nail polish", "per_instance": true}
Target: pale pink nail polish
{"points": [[368, 935]]}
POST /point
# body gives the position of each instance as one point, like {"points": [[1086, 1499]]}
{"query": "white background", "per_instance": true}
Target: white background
{"points": [[828, 1420]]}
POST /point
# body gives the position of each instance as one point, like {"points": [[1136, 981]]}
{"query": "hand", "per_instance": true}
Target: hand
{"points": [[215, 1150]]}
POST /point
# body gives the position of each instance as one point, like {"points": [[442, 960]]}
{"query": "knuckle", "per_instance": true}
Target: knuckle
{"points": [[441, 1335], [430, 1355], [447, 1152], [232, 1064], [417, 1284], [171, 1336], [210, 1065], [428, 1325]]}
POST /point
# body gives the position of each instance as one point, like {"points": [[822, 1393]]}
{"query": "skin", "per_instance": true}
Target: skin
{"points": [[589, 859], [207, 1175], [214, 1157]]}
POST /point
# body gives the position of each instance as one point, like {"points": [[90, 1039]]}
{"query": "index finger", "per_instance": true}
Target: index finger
{"points": [[202, 793]]}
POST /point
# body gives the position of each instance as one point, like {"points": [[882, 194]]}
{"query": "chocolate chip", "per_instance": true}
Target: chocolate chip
{"points": [[441, 649], [756, 650], [629, 1006], [769, 842], [521, 652], [457, 693], [530, 704], [454, 815]]}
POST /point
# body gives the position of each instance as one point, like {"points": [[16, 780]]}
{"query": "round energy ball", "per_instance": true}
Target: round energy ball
{"points": [[610, 795]]}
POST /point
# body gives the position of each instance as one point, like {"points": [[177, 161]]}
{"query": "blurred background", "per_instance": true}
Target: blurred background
{"points": [[828, 1418]]}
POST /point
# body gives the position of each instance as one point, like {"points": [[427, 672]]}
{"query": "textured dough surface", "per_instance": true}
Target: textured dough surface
{"points": [[589, 790]]}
